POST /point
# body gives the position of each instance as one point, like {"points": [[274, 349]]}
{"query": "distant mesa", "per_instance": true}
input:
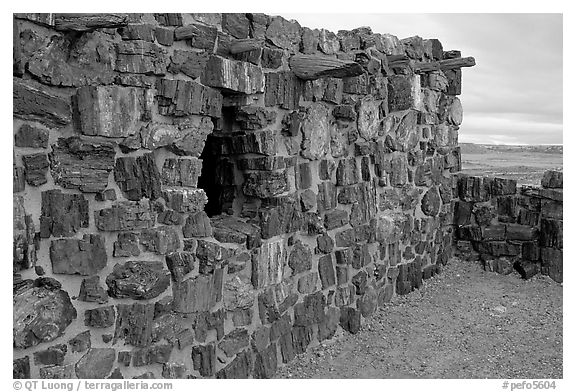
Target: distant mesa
{"points": [[473, 148]]}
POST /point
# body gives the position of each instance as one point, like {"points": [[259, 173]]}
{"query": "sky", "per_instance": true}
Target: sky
{"points": [[514, 93]]}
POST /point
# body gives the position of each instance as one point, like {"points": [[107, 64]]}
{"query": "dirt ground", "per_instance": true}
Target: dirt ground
{"points": [[463, 323]]}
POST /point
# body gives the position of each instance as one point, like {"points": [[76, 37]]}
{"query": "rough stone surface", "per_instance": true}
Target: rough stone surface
{"points": [[283, 89], [19, 179], [336, 218], [138, 177], [183, 98], [259, 142], [126, 245], [254, 118], [265, 184], [179, 264], [200, 293], [29, 136], [140, 57], [125, 216], [451, 110], [161, 240], [347, 172], [237, 25], [107, 194], [138, 31], [197, 225], [112, 111], [96, 363], [102, 317], [53, 355], [57, 372], [31, 324], [552, 263], [204, 359], [316, 131], [272, 58], [284, 34], [183, 199], [32, 101], [21, 368], [187, 62], [91, 291], [80, 163], [36, 167], [134, 324], [328, 42], [368, 118], [181, 172], [300, 258], [268, 264], [138, 280], [308, 283], [169, 19], [403, 93], [86, 256], [308, 200], [187, 138], [233, 342], [150, 355], [23, 246], [552, 179], [326, 271], [235, 230], [212, 255], [233, 75], [63, 214], [431, 202], [240, 367], [80, 342], [350, 319], [238, 294], [198, 35]]}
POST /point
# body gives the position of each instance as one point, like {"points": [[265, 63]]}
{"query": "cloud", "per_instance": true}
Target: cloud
{"points": [[509, 129], [514, 93]]}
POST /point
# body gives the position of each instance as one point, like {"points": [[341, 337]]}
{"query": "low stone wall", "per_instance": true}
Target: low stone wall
{"points": [[208, 195], [508, 227]]}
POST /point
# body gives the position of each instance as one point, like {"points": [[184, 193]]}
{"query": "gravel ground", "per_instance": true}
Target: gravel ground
{"points": [[463, 323]]}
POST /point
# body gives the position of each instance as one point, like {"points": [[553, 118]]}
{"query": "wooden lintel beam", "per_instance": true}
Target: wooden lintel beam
{"points": [[444, 64], [310, 67]]}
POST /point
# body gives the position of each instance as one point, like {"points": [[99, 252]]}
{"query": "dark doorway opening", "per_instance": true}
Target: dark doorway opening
{"points": [[208, 183], [217, 176]]}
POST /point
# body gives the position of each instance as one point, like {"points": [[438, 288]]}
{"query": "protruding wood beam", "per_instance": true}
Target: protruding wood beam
{"points": [[445, 64], [310, 67]]}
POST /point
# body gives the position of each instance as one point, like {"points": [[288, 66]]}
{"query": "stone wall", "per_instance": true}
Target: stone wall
{"points": [[207, 195], [507, 227]]}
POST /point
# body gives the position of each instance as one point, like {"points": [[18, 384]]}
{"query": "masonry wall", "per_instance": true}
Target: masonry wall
{"points": [[507, 227], [208, 195]]}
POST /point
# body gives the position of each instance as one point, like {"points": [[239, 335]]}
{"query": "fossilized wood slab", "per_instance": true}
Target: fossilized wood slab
{"points": [[32, 101], [86, 22], [311, 67], [42, 311], [445, 64], [245, 45]]}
